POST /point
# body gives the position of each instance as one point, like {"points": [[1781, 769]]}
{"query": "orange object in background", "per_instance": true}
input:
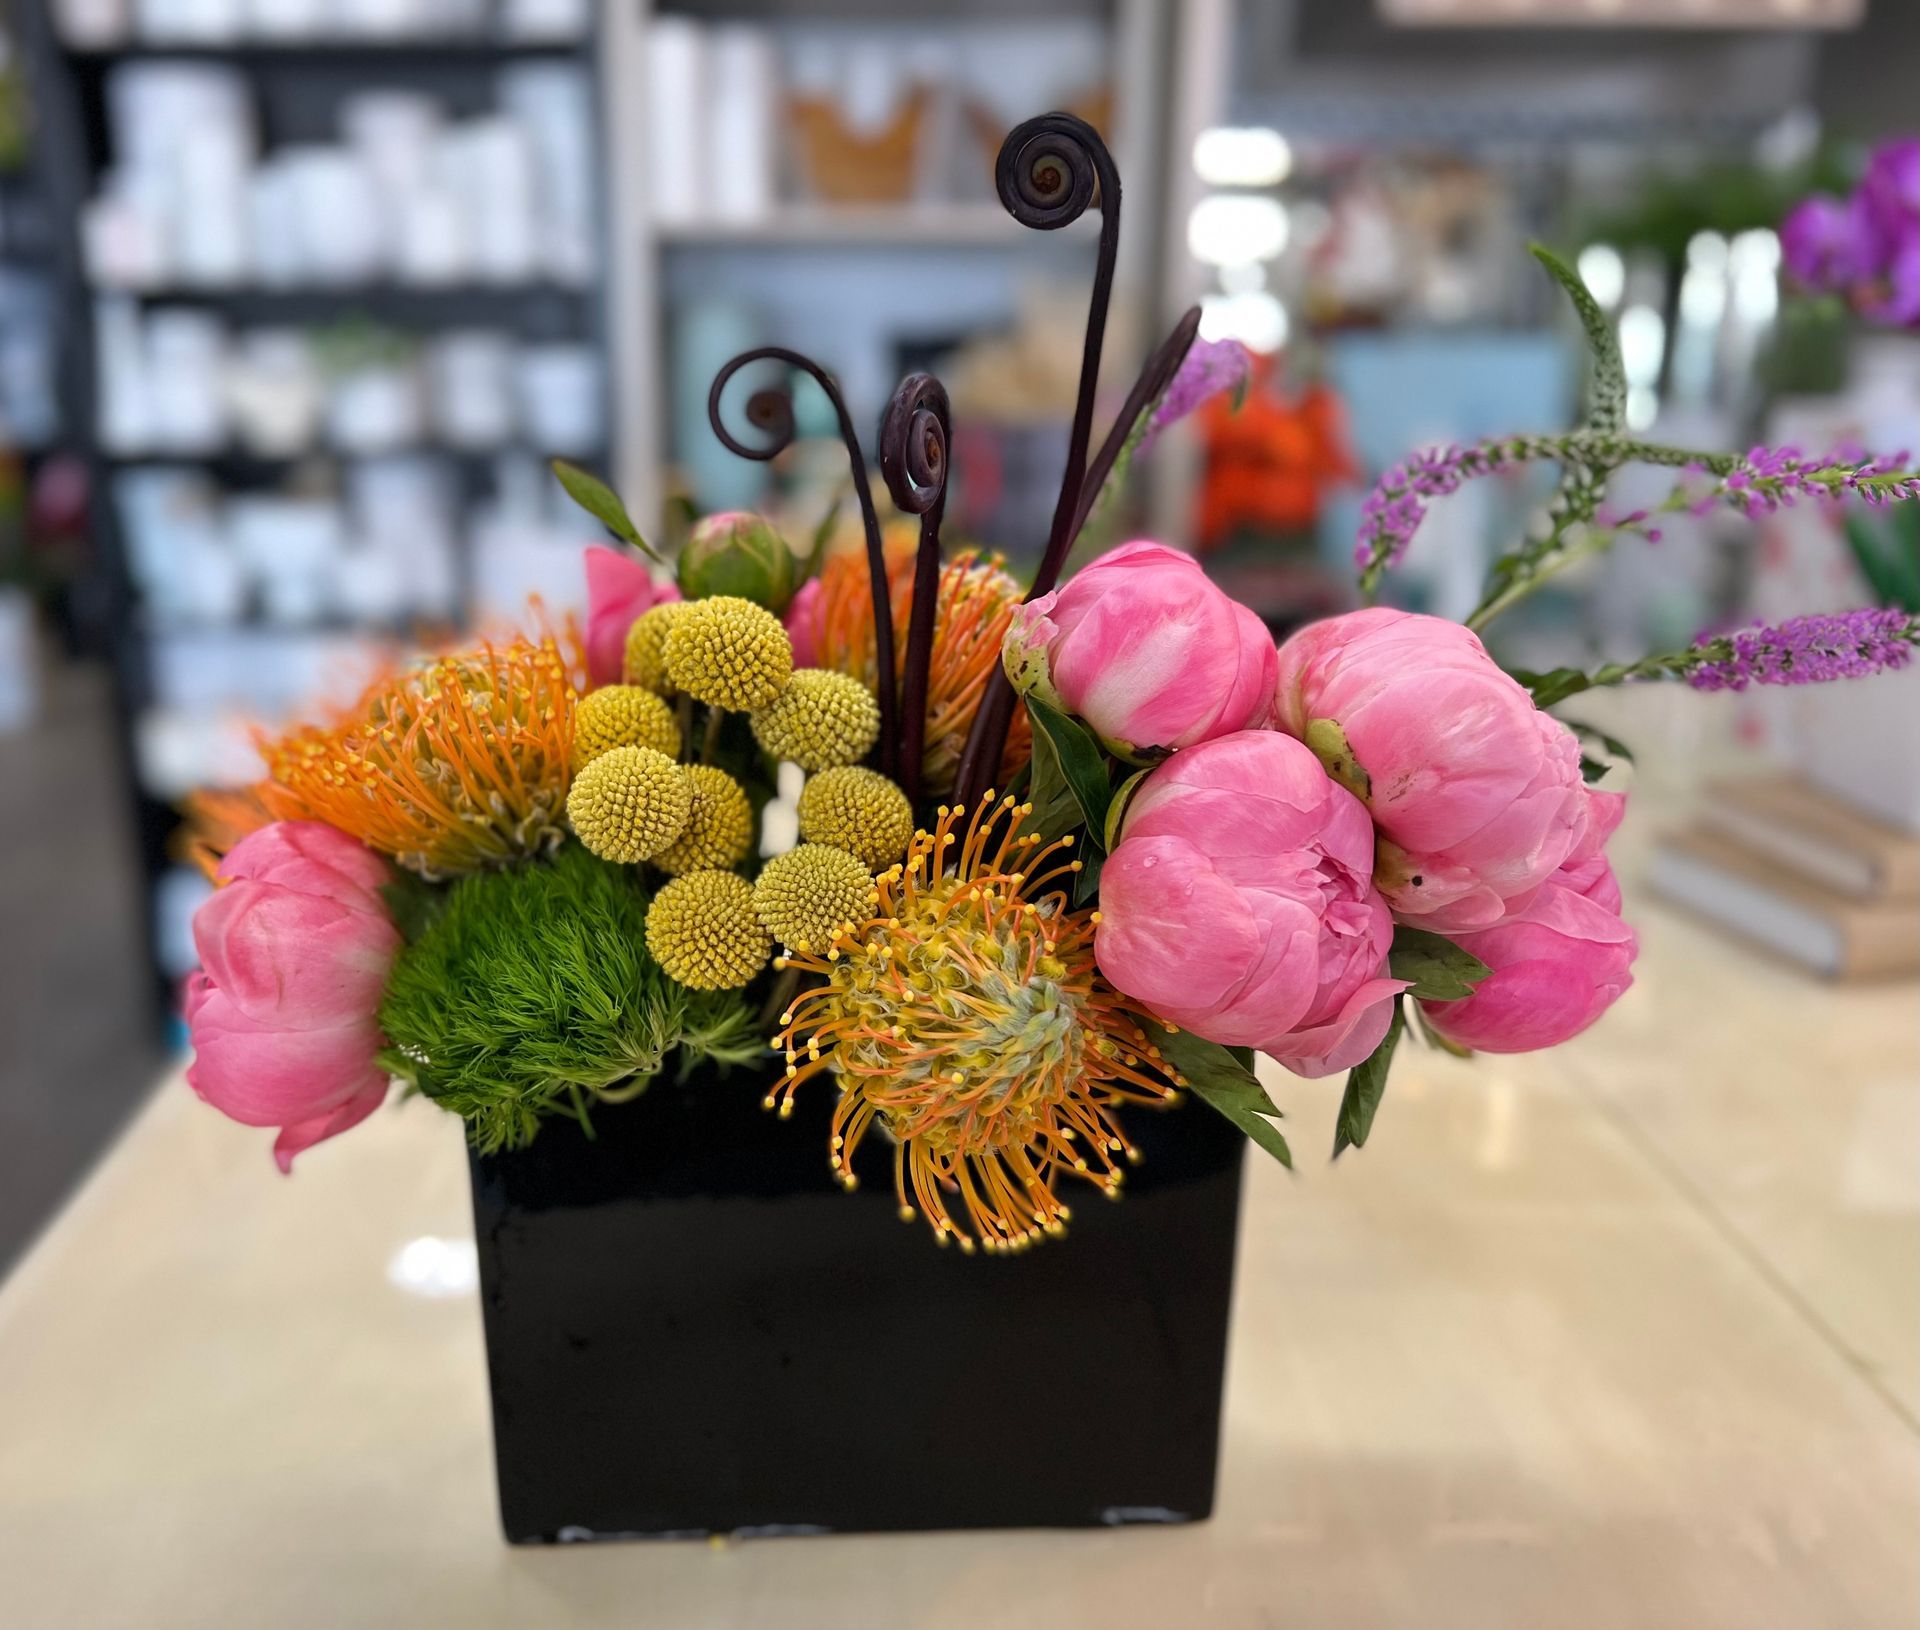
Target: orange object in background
{"points": [[1271, 461]]}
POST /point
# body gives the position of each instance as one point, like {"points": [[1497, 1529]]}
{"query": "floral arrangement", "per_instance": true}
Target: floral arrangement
{"points": [[1067, 853], [1864, 247]]}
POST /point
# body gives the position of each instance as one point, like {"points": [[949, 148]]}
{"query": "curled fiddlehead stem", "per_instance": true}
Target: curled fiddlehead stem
{"points": [[770, 412], [914, 439], [1048, 172]]}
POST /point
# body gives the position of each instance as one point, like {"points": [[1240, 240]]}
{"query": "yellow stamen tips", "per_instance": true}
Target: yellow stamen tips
{"points": [[702, 931], [1096, 919], [719, 828], [820, 721], [907, 1213], [629, 804], [728, 652], [969, 1020], [857, 810], [622, 716], [645, 660]]}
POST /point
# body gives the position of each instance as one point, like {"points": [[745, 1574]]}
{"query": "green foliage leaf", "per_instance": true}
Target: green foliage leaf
{"points": [[1222, 1078], [603, 504], [1436, 969], [1607, 390], [1553, 685], [1888, 555], [1117, 807], [1593, 769], [1055, 810], [1086, 882], [1366, 1081], [1082, 765]]}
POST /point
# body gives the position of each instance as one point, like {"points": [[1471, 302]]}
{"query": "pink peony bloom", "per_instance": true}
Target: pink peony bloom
{"points": [[1557, 966], [1239, 904], [1475, 793], [619, 588], [803, 624], [1144, 648], [294, 949]]}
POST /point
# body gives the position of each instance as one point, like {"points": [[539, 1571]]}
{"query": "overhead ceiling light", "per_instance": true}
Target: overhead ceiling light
{"points": [[1242, 156], [1230, 229], [1257, 321], [1623, 13]]}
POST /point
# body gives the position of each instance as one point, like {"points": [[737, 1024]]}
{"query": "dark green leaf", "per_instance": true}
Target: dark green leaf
{"points": [[1117, 807], [1086, 882], [1555, 685], [1435, 968], [1220, 1077], [1607, 390], [412, 903], [1366, 1081], [1055, 810], [603, 504], [1591, 768], [1082, 763]]}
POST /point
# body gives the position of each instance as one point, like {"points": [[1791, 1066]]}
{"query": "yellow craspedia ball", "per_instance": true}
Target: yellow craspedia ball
{"points": [[702, 931], [805, 895], [729, 652], [858, 810], [719, 825], [622, 716], [645, 662], [820, 720], [629, 804]]}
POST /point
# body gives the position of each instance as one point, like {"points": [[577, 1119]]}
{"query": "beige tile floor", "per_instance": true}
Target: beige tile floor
{"points": [[1625, 1335]]}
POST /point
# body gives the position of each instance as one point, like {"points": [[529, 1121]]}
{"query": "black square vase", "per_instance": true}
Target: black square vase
{"points": [[692, 1329]]}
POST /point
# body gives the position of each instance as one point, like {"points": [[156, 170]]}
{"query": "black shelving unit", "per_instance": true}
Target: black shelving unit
{"points": [[297, 89]]}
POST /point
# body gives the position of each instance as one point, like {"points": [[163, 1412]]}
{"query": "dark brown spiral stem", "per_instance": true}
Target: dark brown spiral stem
{"points": [[914, 439], [1152, 384], [1048, 172], [770, 412], [986, 741]]}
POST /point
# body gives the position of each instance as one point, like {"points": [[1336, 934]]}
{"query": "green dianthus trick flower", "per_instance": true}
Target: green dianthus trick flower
{"points": [[529, 992]]}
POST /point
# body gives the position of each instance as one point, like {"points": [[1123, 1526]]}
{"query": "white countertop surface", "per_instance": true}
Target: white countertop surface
{"points": [[1623, 1335]]}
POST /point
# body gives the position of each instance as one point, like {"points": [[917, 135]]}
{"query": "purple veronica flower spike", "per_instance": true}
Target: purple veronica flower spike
{"points": [[1806, 650]]}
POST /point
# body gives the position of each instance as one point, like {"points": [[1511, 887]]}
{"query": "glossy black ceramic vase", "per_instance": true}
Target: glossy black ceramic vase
{"points": [[693, 1330]]}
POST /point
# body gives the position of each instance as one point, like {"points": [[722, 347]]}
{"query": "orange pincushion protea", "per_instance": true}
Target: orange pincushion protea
{"points": [[458, 763], [965, 1014], [976, 605], [216, 819]]}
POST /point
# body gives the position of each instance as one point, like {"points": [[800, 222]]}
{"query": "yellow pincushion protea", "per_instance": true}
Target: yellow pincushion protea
{"points": [[973, 611], [702, 930], [645, 660], [457, 763], [719, 824], [820, 721], [622, 716], [858, 810], [629, 804], [807, 895], [728, 652], [965, 1014]]}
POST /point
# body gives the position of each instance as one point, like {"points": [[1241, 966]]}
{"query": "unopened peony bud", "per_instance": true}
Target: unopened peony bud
{"points": [[738, 553]]}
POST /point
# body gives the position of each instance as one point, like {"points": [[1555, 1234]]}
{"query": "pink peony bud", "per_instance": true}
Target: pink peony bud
{"points": [[619, 588], [294, 949], [1557, 966], [1144, 648], [803, 624], [1475, 793], [1239, 904]]}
